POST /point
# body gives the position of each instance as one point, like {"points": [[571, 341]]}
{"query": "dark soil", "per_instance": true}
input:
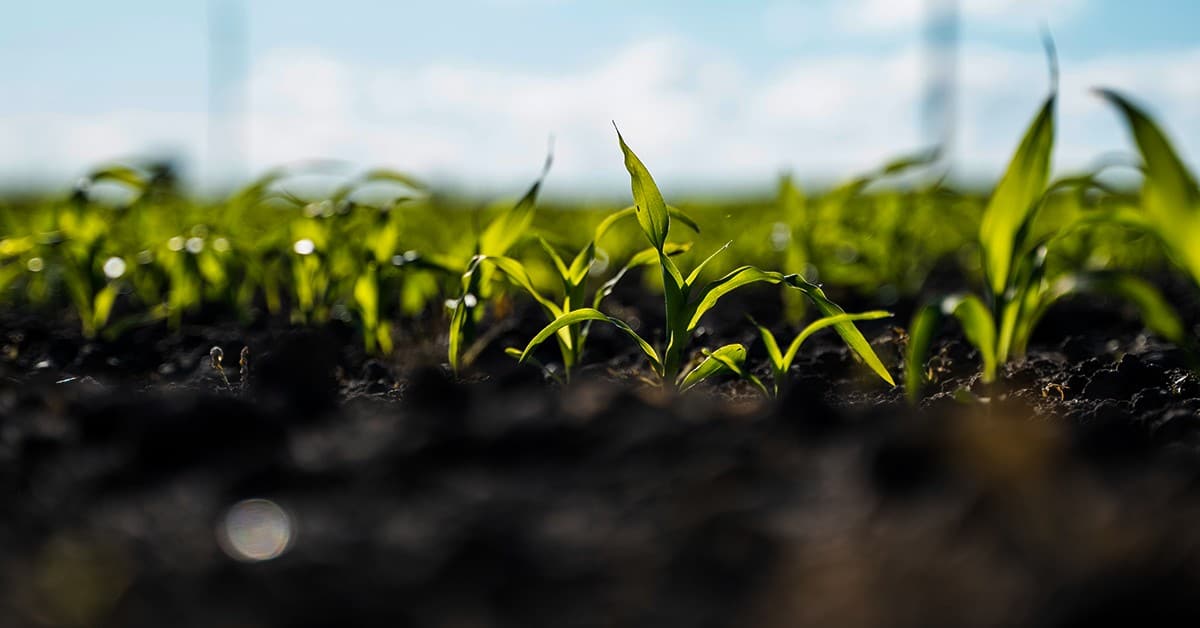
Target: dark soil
{"points": [[1068, 495]]}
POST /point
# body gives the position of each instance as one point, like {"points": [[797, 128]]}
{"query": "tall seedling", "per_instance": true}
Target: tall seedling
{"points": [[1017, 292], [686, 300], [493, 243], [1170, 195]]}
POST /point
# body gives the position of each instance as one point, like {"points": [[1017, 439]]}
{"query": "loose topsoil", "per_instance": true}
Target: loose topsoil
{"points": [[1068, 494]]}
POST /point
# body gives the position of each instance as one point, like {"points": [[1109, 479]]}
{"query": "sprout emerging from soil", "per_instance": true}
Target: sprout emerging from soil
{"points": [[215, 356], [244, 369]]}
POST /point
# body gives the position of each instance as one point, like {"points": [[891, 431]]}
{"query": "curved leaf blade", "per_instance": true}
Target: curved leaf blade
{"points": [[771, 345], [588, 314], [612, 219], [644, 257], [695, 274], [510, 225], [559, 265], [979, 326], [822, 323], [734, 355], [846, 329], [650, 209], [734, 279], [517, 273], [1015, 197], [920, 338], [1156, 312], [1170, 192]]}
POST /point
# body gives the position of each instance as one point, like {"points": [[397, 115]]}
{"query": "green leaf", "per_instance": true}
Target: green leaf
{"points": [[612, 219], [1015, 197], [729, 358], [846, 329], [650, 208], [105, 299], [1169, 186], [516, 272], [734, 355], [1029, 287], [559, 265], [458, 324], [1169, 192], [366, 296], [822, 323], [675, 298], [920, 338], [510, 225], [736, 278], [588, 314], [1159, 316], [582, 264], [641, 258], [461, 321], [120, 174], [677, 214], [772, 347], [915, 160], [695, 274], [978, 325]]}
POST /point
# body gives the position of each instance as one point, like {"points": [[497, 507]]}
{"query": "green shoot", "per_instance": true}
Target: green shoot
{"points": [[1170, 195], [781, 361], [729, 358], [1017, 291], [499, 236], [686, 300]]}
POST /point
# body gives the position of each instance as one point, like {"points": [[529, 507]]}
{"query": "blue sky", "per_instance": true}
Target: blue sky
{"points": [[711, 94]]}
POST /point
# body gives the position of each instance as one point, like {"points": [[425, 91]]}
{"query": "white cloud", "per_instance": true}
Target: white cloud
{"points": [[907, 15], [694, 116]]}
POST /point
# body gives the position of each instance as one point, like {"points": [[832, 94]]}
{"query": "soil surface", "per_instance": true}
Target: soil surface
{"points": [[386, 493]]}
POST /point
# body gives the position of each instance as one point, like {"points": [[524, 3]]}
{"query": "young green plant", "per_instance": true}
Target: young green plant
{"points": [[687, 299], [501, 234], [1017, 292], [1170, 198], [781, 361]]}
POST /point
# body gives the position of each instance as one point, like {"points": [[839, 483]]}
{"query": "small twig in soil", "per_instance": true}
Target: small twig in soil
{"points": [[1061, 389]]}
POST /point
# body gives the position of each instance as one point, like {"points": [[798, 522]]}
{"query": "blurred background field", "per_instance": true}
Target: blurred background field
{"points": [[194, 146], [721, 97]]}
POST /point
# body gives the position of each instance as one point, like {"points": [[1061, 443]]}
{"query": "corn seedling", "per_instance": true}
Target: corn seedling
{"points": [[781, 361], [92, 270], [1017, 292], [686, 300], [1170, 196], [493, 243], [572, 339], [379, 254]]}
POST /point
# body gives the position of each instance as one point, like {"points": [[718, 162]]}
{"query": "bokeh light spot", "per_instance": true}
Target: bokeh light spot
{"points": [[304, 246], [255, 530], [114, 267]]}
